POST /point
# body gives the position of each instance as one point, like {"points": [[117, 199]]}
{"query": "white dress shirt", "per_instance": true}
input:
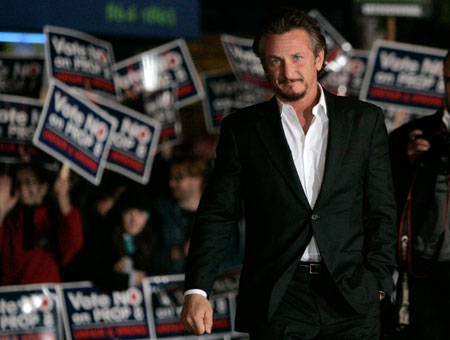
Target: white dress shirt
{"points": [[308, 152]]}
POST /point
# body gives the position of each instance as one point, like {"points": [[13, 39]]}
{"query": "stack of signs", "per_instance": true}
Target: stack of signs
{"points": [[30, 312], [403, 76], [75, 131], [166, 302], [356, 69], [336, 58], [21, 76], [225, 94], [244, 62], [79, 60], [90, 313], [158, 68], [160, 105], [18, 120], [134, 142]]}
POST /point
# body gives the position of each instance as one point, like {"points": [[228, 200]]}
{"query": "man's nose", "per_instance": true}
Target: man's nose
{"points": [[289, 70]]}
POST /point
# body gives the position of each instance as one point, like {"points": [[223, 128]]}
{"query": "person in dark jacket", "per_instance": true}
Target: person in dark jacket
{"points": [[126, 252], [420, 154]]}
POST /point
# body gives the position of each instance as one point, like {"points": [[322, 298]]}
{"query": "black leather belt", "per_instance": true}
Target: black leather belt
{"points": [[311, 267]]}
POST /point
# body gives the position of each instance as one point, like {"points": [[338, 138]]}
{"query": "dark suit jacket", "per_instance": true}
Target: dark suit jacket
{"points": [[353, 219]]}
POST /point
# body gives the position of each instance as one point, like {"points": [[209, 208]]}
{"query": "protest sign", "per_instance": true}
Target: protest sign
{"points": [[30, 312], [18, 120], [75, 131], [226, 283], [404, 76], [348, 80], [160, 105], [158, 68], [356, 69], [128, 79], [134, 142], [224, 94], [21, 76], [244, 62], [79, 60], [94, 314], [338, 47], [165, 302]]}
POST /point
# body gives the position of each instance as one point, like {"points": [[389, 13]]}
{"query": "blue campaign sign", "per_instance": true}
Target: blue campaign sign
{"points": [[244, 62], [158, 68], [405, 76], [21, 76], [338, 47], [224, 94], [30, 312], [356, 69], [80, 60], [94, 314], [128, 79], [165, 302], [75, 131], [134, 142], [160, 105], [18, 120]]}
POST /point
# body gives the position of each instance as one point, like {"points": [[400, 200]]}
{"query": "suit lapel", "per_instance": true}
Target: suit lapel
{"points": [[339, 131], [272, 136]]}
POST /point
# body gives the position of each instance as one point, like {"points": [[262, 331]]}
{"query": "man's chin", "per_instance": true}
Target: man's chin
{"points": [[291, 97]]}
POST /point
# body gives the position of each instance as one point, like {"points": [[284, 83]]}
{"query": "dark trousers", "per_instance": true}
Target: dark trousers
{"points": [[313, 308], [429, 307]]}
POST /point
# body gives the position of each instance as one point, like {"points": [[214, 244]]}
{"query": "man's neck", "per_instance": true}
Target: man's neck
{"points": [[305, 104], [190, 203], [303, 108]]}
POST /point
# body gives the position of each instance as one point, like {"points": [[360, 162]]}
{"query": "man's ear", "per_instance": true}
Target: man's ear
{"points": [[320, 60]]}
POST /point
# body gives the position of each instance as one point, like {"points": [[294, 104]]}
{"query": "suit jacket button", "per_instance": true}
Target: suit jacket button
{"points": [[314, 217]]}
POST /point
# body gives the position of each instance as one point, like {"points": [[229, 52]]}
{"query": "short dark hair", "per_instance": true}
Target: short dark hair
{"points": [[286, 20]]}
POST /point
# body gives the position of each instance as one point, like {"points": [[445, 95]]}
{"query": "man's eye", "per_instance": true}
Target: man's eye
{"points": [[298, 57], [275, 61]]}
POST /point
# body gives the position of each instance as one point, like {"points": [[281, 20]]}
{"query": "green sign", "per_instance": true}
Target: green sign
{"points": [[394, 8]]}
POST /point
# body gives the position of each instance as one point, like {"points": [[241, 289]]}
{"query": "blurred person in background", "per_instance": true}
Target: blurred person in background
{"points": [[175, 213], [125, 252], [420, 156], [40, 229]]}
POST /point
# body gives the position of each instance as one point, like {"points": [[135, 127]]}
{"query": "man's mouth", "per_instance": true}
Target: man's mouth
{"points": [[290, 81]]}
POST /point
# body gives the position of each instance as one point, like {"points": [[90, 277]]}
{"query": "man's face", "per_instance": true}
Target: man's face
{"points": [[134, 220], [447, 84], [290, 64], [183, 185], [31, 191]]}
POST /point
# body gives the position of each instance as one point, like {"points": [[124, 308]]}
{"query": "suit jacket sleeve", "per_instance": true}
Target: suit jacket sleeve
{"points": [[379, 209], [217, 214]]}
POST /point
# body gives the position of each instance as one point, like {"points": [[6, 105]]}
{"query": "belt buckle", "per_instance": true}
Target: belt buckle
{"points": [[314, 268]]}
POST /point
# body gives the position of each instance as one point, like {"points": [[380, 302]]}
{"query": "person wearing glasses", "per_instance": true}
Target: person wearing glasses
{"points": [[40, 229]]}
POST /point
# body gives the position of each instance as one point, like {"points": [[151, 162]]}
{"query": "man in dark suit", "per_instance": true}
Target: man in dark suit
{"points": [[421, 167], [314, 173]]}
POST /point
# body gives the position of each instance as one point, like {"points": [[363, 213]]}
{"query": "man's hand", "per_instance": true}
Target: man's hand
{"points": [[7, 201], [197, 314], [416, 146], [61, 189]]}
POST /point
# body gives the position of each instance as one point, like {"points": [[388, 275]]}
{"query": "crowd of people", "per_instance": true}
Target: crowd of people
{"points": [[57, 228]]}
